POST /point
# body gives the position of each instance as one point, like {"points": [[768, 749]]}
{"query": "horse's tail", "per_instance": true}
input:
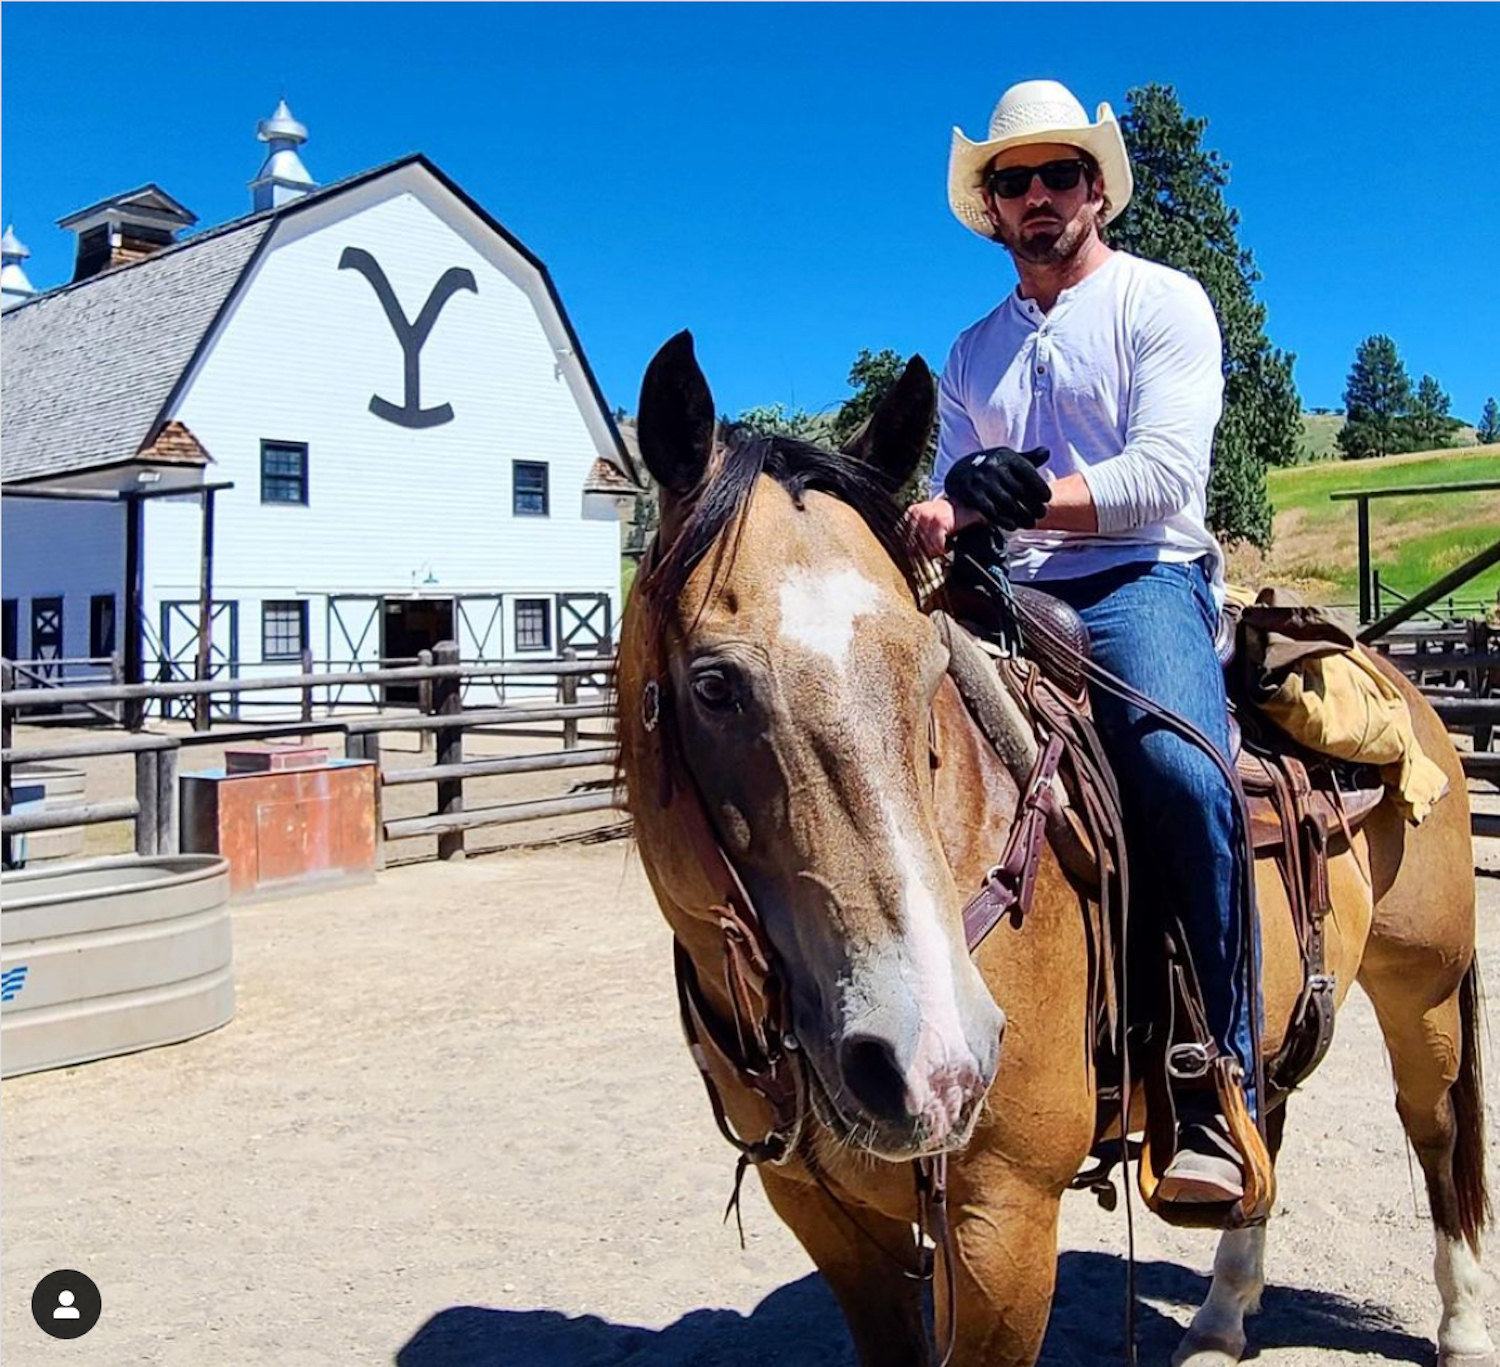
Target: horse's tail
{"points": [[1467, 1095]]}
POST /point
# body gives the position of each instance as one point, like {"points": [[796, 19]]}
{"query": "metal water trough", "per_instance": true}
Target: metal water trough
{"points": [[46, 787], [112, 956]]}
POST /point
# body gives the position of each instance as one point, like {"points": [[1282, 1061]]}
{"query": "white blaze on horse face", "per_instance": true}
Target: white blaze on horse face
{"points": [[943, 1070], [1462, 1333], [818, 610]]}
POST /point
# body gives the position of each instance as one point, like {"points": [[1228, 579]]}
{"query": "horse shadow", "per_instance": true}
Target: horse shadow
{"points": [[799, 1325]]}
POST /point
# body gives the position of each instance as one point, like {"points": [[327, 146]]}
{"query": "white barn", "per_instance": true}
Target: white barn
{"points": [[370, 391]]}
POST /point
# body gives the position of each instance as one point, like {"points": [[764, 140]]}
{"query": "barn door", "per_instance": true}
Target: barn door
{"points": [[583, 622], [481, 641], [353, 645], [408, 626], [47, 636], [177, 660]]}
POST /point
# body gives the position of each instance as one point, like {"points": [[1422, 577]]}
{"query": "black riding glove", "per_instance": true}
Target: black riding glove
{"points": [[1003, 486]]}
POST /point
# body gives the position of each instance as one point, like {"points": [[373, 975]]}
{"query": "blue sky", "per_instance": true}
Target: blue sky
{"points": [[772, 176]]}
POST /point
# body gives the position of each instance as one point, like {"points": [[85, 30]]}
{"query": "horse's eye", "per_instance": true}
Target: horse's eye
{"points": [[714, 689]]}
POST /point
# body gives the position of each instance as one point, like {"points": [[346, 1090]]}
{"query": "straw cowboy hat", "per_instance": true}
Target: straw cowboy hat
{"points": [[1032, 112]]}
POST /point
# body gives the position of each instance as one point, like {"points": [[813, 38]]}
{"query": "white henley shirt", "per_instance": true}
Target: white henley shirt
{"points": [[1123, 382]]}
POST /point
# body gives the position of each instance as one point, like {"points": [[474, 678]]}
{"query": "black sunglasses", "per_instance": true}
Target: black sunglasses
{"points": [[1014, 181]]}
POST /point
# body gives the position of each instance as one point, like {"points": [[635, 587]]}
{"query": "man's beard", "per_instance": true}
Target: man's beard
{"points": [[1050, 246]]}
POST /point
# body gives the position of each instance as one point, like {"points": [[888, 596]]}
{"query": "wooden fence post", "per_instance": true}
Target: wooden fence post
{"points": [[447, 701], [1363, 531], [307, 688], [428, 739], [146, 828], [567, 694], [365, 745], [7, 682], [1478, 632], [168, 838]]}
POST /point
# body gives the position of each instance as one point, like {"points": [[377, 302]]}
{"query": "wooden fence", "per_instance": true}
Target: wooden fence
{"points": [[155, 807], [1454, 665]]}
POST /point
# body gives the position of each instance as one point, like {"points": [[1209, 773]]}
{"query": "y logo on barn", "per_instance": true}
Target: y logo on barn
{"points": [[412, 336], [11, 982]]}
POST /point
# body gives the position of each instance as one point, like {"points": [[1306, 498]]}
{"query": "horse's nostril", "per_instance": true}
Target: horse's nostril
{"points": [[873, 1076]]}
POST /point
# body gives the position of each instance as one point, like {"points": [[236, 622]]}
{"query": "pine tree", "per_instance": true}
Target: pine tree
{"points": [[1377, 398], [1429, 424], [777, 420], [1489, 421], [871, 376], [1178, 216]]}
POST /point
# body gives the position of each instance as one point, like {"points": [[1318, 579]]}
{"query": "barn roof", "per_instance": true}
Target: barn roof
{"points": [[91, 367], [605, 478]]}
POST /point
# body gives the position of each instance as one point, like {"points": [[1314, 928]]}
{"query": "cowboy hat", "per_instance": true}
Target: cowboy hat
{"points": [[1034, 112]]}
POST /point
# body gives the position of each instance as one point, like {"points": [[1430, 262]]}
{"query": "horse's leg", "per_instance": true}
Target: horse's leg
{"points": [[1216, 1337], [1438, 1098], [1005, 1242], [1419, 973], [881, 1304]]}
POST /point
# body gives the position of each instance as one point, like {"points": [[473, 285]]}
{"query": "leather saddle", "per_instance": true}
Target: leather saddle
{"points": [[1301, 806], [1339, 795]]}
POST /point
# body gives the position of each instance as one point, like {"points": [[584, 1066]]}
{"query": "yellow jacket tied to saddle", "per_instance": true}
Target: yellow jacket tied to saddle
{"points": [[1305, 673]]}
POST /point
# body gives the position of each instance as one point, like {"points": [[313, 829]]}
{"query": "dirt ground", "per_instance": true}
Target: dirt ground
{"points": [[453, 1125]]}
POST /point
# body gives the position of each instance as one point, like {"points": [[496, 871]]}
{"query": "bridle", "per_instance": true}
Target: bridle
{"points": [[757, 1045], [759, 1049]]}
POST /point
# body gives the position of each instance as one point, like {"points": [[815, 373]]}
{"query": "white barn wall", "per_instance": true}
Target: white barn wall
{"points": [[297, 358], [52, 549]]}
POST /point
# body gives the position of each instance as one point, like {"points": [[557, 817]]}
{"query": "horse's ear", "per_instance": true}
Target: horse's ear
{"points": [[894, 438], [675, 420]]}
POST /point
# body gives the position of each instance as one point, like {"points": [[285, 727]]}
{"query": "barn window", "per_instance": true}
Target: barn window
{"points": [[283, 472], [283, 629], [10, 630], [530, 482], [533, 624], [101, 625]]}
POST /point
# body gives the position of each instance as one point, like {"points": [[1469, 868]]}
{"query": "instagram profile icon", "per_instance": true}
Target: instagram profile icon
{"points": [[66, 1304]]}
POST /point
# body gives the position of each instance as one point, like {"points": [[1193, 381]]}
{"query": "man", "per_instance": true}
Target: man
{"points": [[1078, 418]]}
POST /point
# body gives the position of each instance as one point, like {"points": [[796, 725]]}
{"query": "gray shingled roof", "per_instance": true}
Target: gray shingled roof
{"points": [[88, 367]]}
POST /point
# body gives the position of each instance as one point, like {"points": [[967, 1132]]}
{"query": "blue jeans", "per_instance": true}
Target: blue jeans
{"points": [[1153, 624]]}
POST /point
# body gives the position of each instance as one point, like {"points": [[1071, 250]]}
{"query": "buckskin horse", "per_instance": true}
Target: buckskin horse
{"points": [[813, 803]]}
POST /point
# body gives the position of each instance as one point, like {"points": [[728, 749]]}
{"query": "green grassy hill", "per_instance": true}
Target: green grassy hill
{"points": [[1414, 539], [1320, 436]]}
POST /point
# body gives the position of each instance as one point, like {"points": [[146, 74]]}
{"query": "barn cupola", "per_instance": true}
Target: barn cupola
{"points": [[282, 177], [125, 228], [14, 286]]}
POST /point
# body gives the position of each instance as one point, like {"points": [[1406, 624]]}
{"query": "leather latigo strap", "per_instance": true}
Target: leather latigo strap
{"points": [[1009, 885], [1069, 801]]}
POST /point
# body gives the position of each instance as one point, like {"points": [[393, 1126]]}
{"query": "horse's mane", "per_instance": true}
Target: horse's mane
{"points": [[799, 467]]}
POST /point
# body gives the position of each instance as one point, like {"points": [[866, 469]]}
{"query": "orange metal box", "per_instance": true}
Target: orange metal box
{"points": [[292, 830]]}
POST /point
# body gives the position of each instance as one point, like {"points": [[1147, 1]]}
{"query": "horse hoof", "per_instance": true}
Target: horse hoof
{"points": [[1197, 1352]]}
